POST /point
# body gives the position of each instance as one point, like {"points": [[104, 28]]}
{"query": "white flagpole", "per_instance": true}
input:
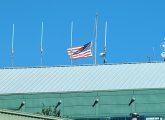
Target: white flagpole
{"points": [[96, 23], [105, 42], [12, 46], [42, 30], [105, 35], [71, 38]]}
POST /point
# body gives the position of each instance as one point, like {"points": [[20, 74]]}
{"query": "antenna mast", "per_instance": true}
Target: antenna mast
{"points": [[12, 48], [96, 27], [42, 30], [103, 54], [105, 47], [71, 38]]}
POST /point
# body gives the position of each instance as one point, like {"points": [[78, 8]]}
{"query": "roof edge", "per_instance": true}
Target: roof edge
{"points": [[86, 91], [83, 65]]}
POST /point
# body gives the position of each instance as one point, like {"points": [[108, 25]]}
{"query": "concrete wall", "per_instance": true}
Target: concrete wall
{"points": [[149, 102]]}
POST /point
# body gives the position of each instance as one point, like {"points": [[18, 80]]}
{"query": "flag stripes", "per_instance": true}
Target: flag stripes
{"points": [[85, 54], [74, 50], [80, 51]]}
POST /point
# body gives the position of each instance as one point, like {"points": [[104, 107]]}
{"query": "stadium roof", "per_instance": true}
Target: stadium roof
{"points": [[82, 78]]}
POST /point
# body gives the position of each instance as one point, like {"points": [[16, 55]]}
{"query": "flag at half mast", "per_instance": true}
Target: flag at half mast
{"points": [[80, 51]]}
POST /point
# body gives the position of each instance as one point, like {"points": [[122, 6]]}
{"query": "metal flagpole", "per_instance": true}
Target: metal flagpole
{"points": [[105, 42], [41, 43], [96, 23], [12, 46], [71, 41]]}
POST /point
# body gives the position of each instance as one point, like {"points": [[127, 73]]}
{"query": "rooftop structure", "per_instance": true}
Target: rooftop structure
{"points": [[82, 78]]}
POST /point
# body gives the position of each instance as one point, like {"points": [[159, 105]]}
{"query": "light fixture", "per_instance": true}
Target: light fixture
{"points": [[96, 101], [59, 102], [132, 100], [103, 55], [21, 105]]}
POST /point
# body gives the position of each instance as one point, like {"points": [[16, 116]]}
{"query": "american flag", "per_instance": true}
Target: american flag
{"points": [[80, 51]]}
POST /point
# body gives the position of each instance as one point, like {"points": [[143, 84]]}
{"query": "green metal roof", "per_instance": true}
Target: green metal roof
{"points": [[82, 78], [13, 115]]}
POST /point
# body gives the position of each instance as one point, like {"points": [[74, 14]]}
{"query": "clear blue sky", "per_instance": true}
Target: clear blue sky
{"points": [[135, 27]]}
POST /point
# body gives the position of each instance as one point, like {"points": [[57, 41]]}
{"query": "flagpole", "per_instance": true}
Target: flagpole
{"points": [[105, 42], [42, 29], [12, 46], [105, 35], [71, 38], [96, 23]]}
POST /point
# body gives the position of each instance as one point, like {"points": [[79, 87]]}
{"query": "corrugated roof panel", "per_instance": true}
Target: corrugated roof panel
{"points": [[82, 78]]}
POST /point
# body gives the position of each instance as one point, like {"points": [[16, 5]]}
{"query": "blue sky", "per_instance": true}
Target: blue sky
{"points": [[135, 28]]}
